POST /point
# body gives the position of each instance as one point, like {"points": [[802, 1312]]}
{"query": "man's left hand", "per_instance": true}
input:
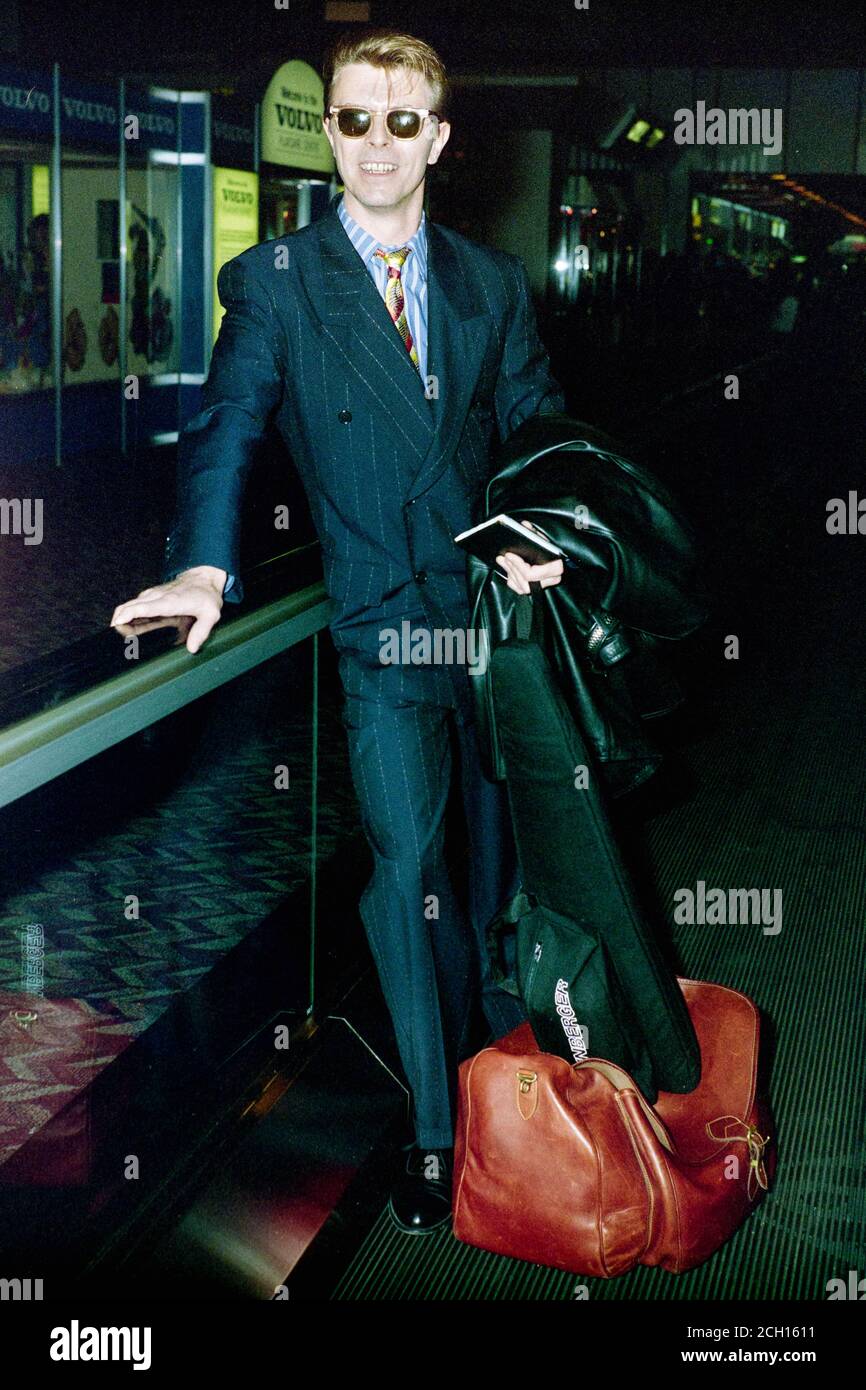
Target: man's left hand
{"points": [[521, 574]]}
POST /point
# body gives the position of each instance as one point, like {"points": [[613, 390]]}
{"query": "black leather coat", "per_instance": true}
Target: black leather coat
{"points": [[630, 586]]}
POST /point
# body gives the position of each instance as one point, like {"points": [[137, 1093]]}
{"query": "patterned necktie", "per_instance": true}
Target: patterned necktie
{"points": [[394, 301]]}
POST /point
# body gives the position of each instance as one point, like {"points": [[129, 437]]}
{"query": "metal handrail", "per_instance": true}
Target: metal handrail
{"points": [[37, 749]]}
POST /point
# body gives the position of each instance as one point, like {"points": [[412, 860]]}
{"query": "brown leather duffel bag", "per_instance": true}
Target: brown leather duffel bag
{"points": [[567, 1165]]}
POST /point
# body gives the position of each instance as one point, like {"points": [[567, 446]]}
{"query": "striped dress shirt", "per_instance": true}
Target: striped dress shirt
{"points": [[413, 276]]}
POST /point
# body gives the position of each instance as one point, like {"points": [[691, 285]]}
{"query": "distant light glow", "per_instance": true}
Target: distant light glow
{"points": [[638, 131]]}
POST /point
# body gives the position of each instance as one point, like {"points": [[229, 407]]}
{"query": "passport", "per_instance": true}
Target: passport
{"points": [[502, 533]]}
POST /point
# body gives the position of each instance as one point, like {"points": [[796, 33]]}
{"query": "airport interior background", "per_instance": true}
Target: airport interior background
{"points": [[181, 848]]}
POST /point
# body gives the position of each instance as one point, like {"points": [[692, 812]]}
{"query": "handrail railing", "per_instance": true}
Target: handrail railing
{"points": [[37, 749]]}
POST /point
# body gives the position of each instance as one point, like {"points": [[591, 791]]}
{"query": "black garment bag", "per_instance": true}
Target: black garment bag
{"points": [[587, 966]]}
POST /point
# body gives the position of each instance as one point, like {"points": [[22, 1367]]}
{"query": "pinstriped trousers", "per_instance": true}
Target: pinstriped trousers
{"points": [[432, 963]]}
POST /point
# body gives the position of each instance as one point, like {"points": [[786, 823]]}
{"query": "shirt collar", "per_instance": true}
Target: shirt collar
{"points": [[367, 245]]}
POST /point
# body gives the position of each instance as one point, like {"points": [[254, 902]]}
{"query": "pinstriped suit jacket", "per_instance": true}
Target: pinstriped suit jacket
{"points": [[393, 467]]}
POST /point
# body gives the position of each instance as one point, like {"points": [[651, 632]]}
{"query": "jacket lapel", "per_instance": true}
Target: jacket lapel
{"points": [[356, 321], [458, 329], [354, 318]]}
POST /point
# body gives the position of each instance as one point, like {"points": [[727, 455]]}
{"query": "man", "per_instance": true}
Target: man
{"points": [[389, 349]]}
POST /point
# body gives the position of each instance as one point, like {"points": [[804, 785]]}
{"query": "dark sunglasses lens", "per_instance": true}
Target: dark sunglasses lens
{"points": [[404, 124], [353, 122]]}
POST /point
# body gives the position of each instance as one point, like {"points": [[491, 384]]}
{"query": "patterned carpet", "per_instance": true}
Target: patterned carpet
{"points": [[103, 530], [207, 855], [104, 522]]}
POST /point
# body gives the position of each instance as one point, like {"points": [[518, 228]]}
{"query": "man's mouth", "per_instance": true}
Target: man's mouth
{"points": [[377, 167]]}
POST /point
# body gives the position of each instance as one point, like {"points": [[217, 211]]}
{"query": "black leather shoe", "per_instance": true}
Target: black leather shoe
{"points": [[421, 1196]]}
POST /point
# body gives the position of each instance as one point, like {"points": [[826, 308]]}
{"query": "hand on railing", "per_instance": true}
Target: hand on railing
{"points": [[195, 597]]}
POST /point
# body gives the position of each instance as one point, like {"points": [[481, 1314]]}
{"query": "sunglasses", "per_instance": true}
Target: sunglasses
{"points": [[404, 122]]}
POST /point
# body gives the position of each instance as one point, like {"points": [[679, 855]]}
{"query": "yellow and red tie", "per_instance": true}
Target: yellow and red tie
{"points": [[394, 299]]}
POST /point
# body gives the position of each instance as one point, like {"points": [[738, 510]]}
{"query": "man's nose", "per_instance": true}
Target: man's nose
{"points": [[379, 134]]}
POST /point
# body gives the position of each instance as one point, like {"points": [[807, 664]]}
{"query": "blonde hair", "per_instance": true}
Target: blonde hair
{"points": [[388, 49]]}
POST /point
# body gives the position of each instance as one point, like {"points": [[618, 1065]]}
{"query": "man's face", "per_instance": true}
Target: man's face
{"points": [[379, 169]]}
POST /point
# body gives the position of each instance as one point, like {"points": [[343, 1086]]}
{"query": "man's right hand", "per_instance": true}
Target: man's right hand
{"points": [[195, 593]]}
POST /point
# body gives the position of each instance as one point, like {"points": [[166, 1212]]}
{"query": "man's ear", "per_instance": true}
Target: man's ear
{"points": [[326, 126], [438, 145]]}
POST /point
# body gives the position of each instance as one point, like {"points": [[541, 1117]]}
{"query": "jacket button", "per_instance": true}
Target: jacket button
{"points": [[344, 417], [421, 577]]}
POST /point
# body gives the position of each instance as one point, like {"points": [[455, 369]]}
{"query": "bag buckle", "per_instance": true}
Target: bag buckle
{"points": [[527, 1093]]}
